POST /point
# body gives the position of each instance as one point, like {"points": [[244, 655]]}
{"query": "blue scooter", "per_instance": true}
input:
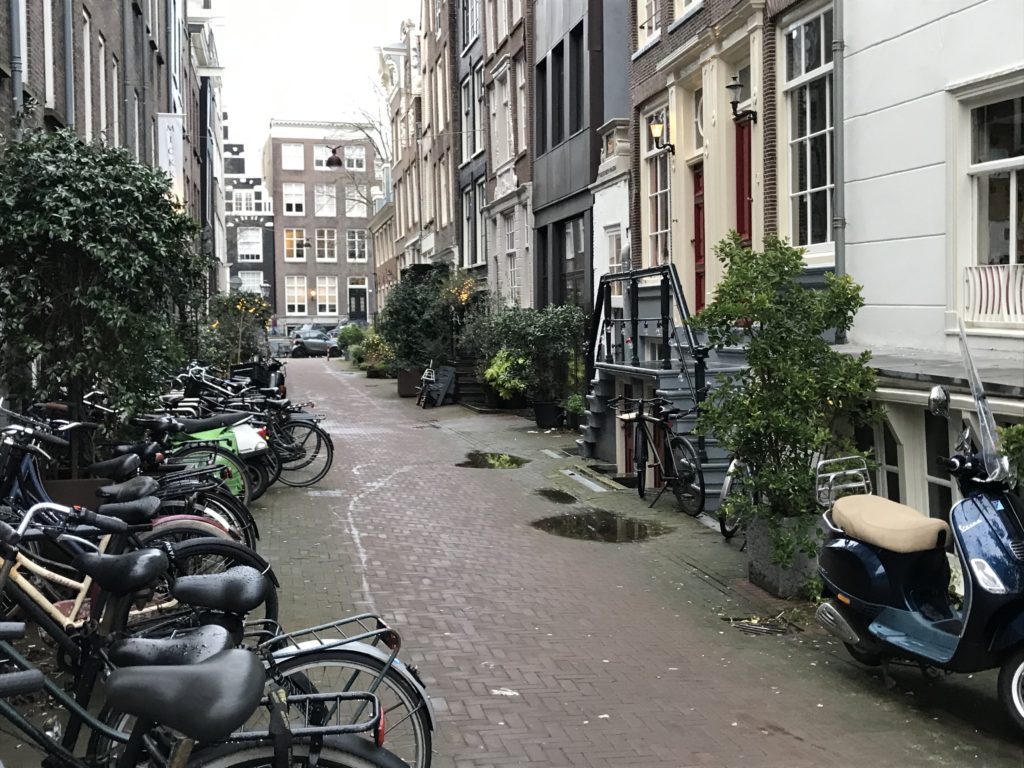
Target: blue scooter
{"points": [[886, 573]]}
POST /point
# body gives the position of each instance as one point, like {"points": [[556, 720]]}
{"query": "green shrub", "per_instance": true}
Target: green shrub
{"points": [[350, 335], [357, 354], [1012, 439], [575, 403], [508, 373]]}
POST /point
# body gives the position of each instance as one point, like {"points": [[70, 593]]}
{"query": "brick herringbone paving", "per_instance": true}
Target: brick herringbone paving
{"points": [[542, 650]]}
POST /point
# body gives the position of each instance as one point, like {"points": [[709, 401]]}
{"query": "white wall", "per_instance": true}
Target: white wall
{"points": [[901, 60], [611, 206]]}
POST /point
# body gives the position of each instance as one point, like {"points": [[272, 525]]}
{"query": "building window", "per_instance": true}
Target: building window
{"points": [[294, 199], [355, 158], [292, 157], [320, 154], [940, 482], [470, 21], [467, 117], [809, 93], [468, 257], [115, 101], [698, 118], [295, 245], [101, 77], [683, 7], [521, 103], [659, 203], [648, 21], [511, 262], [355, 243], [557, 94], [326, 295], [540, 119], [501, 11], [356, 202], [242, 201], [479, 201], [86, 72], [478, 111], [517, 11], [327, 245], [613, 236], [136, 125], [444, 185], [997, 167], [48, 67], [325, 200], [577, 57], [250, 244], [295, 294], [252, 282]]}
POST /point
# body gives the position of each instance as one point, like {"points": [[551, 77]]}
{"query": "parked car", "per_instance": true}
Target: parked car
{"points": [[314, 343]]}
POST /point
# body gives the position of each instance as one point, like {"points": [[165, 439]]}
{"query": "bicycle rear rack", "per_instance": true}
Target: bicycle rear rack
{"points": [[316, 714], [362, 628]]}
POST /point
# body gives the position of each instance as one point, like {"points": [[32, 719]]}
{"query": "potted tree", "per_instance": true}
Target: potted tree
{"points": [[575, 407], [797, 398]]}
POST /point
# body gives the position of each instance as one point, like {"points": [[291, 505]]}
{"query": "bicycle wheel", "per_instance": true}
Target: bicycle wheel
{"points": [[203, 456], [273, 463], [734, 487], [259, 477], [306, 454], [406, 718], [336, 752], [688, 483], [640, 458]]}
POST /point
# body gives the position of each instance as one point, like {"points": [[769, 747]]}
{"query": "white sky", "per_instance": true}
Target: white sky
{"points": [[301, 60]]}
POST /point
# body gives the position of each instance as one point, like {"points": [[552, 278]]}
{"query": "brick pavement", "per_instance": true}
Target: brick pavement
{"points": [[541, 650]]}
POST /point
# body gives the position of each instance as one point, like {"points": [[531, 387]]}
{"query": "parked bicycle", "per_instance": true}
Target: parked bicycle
{"points": [[671, 454]]}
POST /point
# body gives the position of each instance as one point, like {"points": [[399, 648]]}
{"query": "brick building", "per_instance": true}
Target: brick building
{"points": [[321, 208], [470, 148], [402, 80]]}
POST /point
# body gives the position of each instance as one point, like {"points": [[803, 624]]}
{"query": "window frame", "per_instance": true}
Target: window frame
{"points": [[657, 163], [648, 16], [291, 283], [320, 154], [325, 242], [325, 200], [479, 106], [295, 190], [246, 256], [354, 157], [242, 276], [323, 288], [288, 155], [294, 242], [479, 232], [356, 241], [467, 118]]}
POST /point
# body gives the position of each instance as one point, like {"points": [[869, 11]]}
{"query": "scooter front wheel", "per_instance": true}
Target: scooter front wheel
{"points": [[867, 658], [1011, 687]]}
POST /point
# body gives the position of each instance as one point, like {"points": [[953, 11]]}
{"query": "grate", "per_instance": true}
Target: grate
{"points": [[1017, 547]]}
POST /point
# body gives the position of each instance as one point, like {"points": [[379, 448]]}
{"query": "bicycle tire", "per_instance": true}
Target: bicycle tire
{"points": [[640, 458], [406, 717], [273, 462], [238, 483], [259, 477], [336, 752], [306, 464], [688, 483], [229, 507], [728, 524]]}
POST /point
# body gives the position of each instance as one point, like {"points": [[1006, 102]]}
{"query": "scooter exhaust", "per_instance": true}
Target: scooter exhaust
{"points": [[829, 617]]}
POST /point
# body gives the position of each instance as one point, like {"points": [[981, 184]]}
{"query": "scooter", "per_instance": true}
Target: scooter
{"points": [[886, 573]]}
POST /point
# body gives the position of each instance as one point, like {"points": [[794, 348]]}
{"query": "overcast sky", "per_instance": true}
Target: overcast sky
{"points": [[301, 60]]}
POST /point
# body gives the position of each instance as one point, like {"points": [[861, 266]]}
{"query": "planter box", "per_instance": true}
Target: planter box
{"points": [[409, 381], [376, 373], [547, 415], [781, 582]]}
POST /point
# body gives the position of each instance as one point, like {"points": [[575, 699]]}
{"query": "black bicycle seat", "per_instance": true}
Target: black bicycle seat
{"points": [[146, 450], [213, 422], [134, 512], [121, 574], [205, 701], [189, 646], [236, 590], [117, 468], [130, 490], [157, 423]]}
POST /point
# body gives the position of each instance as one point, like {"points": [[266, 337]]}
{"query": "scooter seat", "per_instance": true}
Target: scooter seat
{"points": [[886, 524]]}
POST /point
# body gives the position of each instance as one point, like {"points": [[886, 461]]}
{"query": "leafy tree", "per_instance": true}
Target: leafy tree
{"points": [[236, 330], [99, 272], [417, 319], [798, 397]]}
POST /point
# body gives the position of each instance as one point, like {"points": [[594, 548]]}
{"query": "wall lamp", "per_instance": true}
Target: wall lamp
{"points": [[657, 126], [735, 87]]}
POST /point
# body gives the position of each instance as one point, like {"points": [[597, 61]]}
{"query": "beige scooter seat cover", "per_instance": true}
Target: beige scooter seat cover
{"points": [[888, 525]]}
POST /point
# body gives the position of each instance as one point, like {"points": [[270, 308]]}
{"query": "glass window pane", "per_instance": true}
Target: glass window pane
{"points": [[800, 219], [819, 217], [812, 44], [892, 490], [891, 447], [994, 219], [819, 161], [799, 110], [998, 130], [799, 152], [818, 97], [940, 499], [793, 68], [828, 36]]}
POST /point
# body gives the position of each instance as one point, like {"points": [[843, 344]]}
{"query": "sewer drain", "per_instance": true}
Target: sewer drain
{"points": [[599, 525], [482, 460]]}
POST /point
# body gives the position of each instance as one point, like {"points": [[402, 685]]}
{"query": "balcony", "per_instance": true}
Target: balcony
{"points": [[994, 296]]}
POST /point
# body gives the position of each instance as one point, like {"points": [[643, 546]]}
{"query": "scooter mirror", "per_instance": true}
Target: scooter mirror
{"points": [[938, 401]]}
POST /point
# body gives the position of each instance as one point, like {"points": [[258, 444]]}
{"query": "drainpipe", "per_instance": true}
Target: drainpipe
{"points": [[69, 67], [127, 66], [17, 87], [839, 139]]}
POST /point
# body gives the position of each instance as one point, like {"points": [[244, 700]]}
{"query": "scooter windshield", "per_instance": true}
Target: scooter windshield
{"points": [[996, 464]]}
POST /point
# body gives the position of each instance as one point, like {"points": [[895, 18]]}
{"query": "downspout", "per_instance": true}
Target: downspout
{"points": [[127, 66], [69, 66], [17, 86], [839, 139]]}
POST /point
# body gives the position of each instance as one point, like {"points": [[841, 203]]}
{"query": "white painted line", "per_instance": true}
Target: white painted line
{"points": [[553, 454], [329, 492], [585, 482]]}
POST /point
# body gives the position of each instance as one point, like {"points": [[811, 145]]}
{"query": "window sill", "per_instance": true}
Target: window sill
{"points": [[326, 261], [648, 44], [687, 14], [294, 261]]}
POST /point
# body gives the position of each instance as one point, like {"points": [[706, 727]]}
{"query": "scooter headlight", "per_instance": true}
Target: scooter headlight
{"points": [[987, 577]]}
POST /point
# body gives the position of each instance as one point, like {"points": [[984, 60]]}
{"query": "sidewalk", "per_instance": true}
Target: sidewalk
{"points": [[545, 650]]}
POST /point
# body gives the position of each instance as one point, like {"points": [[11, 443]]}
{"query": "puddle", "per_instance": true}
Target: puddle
{"points": [[557, 496], [481, 460], [598, 525]]}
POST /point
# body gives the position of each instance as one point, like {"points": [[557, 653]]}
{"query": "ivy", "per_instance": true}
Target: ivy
{"points": [[100, 276]]}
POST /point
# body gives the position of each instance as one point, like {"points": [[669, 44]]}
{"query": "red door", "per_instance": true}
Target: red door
{"points": [[744, 190], [698, 237]]}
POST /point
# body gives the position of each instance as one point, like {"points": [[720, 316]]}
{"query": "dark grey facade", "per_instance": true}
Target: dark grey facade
{"points": [[248, 206], [581, 71], [471, 146]]}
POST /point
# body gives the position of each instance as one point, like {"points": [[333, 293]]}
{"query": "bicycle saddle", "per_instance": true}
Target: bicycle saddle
{"points": [[189, 646], [278, 405], [134, 512], [157, 423], [117, 468], [121, 574], [205, 701], [213, 422], [130, 490], [146, 450], [236, 590]]}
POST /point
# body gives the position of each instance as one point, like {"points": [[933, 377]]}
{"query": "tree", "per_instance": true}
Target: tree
{"points": [[237, 329], [100, 276]]}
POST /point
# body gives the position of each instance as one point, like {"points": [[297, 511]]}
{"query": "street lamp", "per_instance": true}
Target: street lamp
{"points": [[735, 87], [334, 161]]}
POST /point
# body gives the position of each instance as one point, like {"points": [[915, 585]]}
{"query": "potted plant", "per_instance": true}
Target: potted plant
{"points": [[508, 374], [575, 407], [797, 398], [378, 357]]}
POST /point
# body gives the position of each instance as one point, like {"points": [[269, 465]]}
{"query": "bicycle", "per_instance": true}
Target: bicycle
{"points": [[736, 486], [673, 454]]}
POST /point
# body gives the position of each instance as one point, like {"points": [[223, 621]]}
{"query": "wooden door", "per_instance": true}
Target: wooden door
{"points": [[744, 188], [698, 238]]}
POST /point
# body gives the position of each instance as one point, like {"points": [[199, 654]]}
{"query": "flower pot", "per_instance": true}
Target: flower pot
{"points": [[409, 381], [573, 420], [785, 582], [376, 373], [491, 397], [547, 415]]}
